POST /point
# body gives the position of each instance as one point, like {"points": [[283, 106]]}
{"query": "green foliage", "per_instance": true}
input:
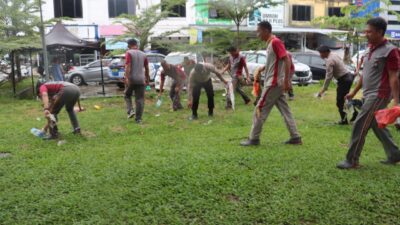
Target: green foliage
{"points": [[18, 25], [140, 26], [237, 10], [216, 41], [172, 171], [350, 23]]}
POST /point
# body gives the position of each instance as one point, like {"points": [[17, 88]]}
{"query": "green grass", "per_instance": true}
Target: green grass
{"points": [[172, 171]]}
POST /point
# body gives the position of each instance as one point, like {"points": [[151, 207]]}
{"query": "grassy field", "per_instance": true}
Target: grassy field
{"points": [[172, 171]]}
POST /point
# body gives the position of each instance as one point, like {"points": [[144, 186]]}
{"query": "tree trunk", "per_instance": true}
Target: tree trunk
{"points": [[237, 36], [13, 73], [17, 61]]}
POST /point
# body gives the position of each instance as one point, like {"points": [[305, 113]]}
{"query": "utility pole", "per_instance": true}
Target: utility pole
{"points": [[42, 34]]}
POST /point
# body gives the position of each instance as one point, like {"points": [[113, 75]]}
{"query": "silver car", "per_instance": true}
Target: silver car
{"points": [[90, 73], [175, 58], [256, 59]]}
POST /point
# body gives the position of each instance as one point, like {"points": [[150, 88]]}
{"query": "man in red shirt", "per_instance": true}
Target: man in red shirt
{"points": [[276, 83], [179, 77], [54, 96], [236, 65], [379, 82], [136, 79]]}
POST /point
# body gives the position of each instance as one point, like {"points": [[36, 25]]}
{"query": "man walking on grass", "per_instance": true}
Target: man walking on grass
{"points": [[199, 78], [277, 81], [136, 79], [380, 83], [335, 68], [236, 65]]}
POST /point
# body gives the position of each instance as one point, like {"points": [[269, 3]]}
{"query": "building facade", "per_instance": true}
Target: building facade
{"points": [[388, 13], [95, 19], [300, 13]]}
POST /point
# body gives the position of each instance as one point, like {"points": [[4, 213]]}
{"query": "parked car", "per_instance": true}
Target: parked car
{"points": [[91, 72], [175, 58], [117, 67], [256, 59], [3, 77], [357, 58], [316, 63]]}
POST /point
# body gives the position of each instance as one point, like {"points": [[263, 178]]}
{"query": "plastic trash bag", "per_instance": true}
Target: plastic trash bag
{"points": [[385, 117], [159, 103], [349, 107], [230, 93]]}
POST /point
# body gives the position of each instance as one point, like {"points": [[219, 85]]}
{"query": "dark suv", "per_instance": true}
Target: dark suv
{"points": [[316, 63]]}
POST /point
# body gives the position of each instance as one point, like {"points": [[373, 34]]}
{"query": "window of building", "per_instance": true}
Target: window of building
{"points": [[118, 7], [335, 11], [214, 14], [393, 22], [395, 2], [68, 8], [301, 13], [176, 10]]}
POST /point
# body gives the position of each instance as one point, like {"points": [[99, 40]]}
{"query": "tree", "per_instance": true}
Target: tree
{"points": [[18, 29], [140, 26], [354, 20], [237, 10]]}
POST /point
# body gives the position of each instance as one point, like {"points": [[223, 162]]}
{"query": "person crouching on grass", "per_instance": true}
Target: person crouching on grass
{"points": [[335, 68], [179, 78], [54, 96], [200, 77]]}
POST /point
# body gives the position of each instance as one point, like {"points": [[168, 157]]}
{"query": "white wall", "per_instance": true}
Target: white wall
{"points": [[96, 12]]}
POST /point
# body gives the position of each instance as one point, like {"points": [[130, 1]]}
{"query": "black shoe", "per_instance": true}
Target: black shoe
{"points": [[347, 165], [193, 117], [210, 114], [294, 141], [249, 142], [343, 122], [246, 102], [390, 161], [77, 131], [138, 121]]}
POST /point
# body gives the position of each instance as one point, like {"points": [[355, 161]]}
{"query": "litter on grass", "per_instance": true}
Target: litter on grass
{"points": [[208, 122], [159, 103], [61, 142], [4, 155]]}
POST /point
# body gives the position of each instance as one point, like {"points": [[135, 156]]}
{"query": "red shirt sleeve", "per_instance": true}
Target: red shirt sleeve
{"points": [[180, 72], [243, 62], [162, 75], [279, 48], [146, 62], [43, 89], [128, 58], [393, 60]]}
